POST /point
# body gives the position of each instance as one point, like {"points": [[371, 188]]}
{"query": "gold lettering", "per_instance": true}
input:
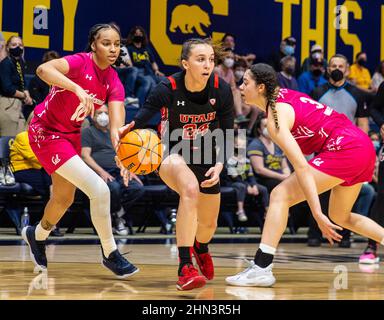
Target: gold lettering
{"points": [[29, 38], [307, 33], [6, 34], [287, 13], [382, 34], [331, 45], [350, 38], [69, 12]]}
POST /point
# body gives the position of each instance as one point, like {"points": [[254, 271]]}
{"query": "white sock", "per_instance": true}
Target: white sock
{"points": [[267, 249], [79, 174], [40, 233]]}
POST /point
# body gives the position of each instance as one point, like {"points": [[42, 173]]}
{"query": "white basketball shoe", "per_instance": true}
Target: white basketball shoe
{"points": [[253, 276]]}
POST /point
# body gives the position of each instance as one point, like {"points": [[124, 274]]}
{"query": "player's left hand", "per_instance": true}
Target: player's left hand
{"points": [[119, 133], [123, 171], [214, 173]]}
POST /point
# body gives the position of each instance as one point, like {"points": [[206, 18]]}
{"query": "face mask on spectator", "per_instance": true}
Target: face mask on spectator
{"points": [[138, 39], [316, 56], [265, 133], [102, 119], [229, 62], [362, 62], [239, 74], [289, 70], [16, 52], [289, 50], [376, 145], [317, 72], [336, 75]]}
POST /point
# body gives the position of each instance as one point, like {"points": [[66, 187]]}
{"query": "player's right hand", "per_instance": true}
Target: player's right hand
{"points": [[86, 100], [328, 228]]}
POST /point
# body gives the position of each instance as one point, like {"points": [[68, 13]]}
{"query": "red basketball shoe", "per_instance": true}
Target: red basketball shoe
{"points": [[190, 278], [204, 260]]}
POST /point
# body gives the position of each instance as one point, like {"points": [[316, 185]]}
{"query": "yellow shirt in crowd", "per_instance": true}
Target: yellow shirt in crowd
{"points": [[361, 76], [21, 154]]}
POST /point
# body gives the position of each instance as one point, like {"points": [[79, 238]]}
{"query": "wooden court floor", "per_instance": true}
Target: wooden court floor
{"points": [[75, 273]]}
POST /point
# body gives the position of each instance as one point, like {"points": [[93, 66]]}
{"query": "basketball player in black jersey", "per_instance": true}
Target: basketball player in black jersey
{"points": [[196, 102]]}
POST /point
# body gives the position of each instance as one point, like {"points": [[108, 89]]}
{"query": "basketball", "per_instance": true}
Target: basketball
{"points": [[140, 151]]}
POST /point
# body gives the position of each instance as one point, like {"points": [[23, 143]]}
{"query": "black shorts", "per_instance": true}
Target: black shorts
{"points": [[200, 171]]}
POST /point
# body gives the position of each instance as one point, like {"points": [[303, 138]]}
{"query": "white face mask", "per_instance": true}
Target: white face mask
{"points": [[229, 62], [265, 132], [102, 119], [239, 74]]}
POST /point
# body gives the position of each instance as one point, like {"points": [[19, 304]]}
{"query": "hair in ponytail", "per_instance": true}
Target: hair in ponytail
{"points": [[264, 74]]}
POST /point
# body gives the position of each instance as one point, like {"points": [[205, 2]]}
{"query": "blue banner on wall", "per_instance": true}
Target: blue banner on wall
{"points": [[346, 27]]}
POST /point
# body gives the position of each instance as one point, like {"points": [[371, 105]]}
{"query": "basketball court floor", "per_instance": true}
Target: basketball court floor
{"points": [[75, 271]]}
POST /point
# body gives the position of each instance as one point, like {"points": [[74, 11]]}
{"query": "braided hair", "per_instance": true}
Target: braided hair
{"points": [[95, 30], [264, 74]]}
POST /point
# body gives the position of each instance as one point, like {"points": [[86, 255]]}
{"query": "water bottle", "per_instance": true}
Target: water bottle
{"points": [[25, 218]]}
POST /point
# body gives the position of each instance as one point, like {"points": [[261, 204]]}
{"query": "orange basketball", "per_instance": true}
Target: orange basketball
{"points": [[140, 151]]}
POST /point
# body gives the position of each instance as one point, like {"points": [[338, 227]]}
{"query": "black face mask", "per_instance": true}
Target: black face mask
{"points": [[289, 70], [362, 62], [336, 75], [16, 52], [138, 39], [317, 72]]}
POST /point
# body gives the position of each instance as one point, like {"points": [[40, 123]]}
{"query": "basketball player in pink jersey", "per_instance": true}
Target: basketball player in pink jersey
{"points": [[80, 84], [345, 159]]}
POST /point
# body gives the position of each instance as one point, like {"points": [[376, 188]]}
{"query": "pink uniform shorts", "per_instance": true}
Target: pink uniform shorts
{"points": [[349, 155], [52, 149]]}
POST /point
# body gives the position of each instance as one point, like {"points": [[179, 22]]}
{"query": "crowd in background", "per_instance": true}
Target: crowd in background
{"points": [[347, 86]]}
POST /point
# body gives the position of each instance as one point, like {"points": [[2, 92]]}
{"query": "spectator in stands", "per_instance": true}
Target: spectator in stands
{"points": [[267, 159], [38, 89], [13, 94], [313, 78], [247, 110], [349, 100], [239, 70], [317, 53], [287, 48], [360, 75], [375, 138], [243, 180], [225, 71], [98, 154], [143, 59], [228, 42], [128, 76], [3, 51], [378, 77], [27, 169], [341, 95], [286, 76]]}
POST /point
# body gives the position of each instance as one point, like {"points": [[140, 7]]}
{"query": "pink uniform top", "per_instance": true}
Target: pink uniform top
{"points": [[61, 110], [314, 122]]}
